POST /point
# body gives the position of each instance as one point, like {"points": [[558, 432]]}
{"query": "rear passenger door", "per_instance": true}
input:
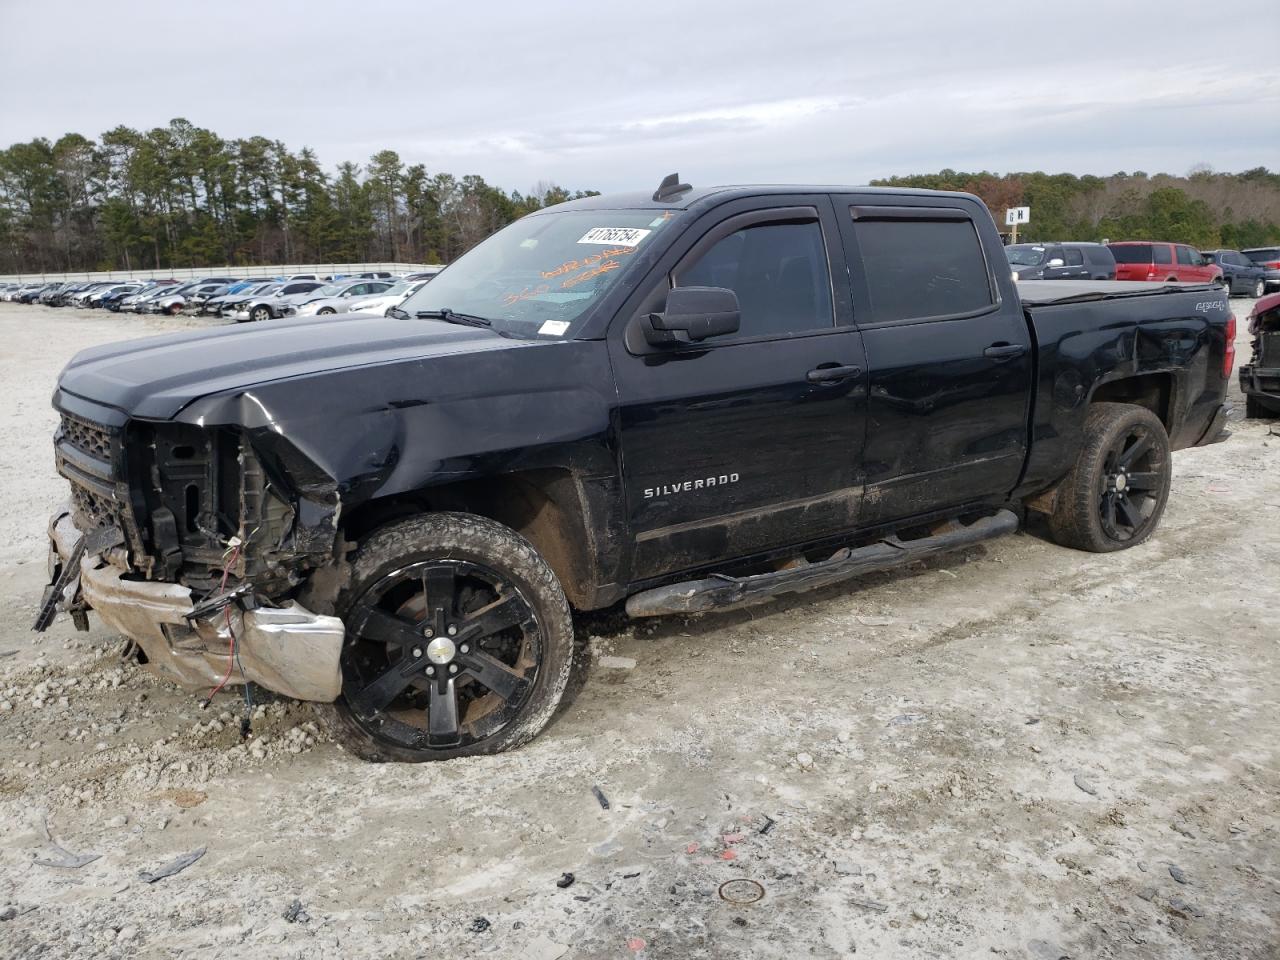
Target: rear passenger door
{"points": [[949, 358], [1074, 267]]}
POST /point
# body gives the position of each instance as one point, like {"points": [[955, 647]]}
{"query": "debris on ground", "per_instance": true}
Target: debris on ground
{"points": [[174, 866], [565, 881], [604, 801], [869, 904], [616, 663], [294, 913], [769, 824], [1084, 784], [61, 857], [1178, 873], [480, 925]]}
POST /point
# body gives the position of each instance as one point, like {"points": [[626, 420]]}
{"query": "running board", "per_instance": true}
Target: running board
{"points": [[720, 592]]}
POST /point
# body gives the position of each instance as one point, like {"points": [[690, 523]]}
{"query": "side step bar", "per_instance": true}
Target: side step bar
{"points": [[720, 592]]}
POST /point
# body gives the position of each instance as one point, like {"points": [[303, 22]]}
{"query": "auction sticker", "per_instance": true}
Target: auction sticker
{"points": [[553, 328], [615, 236]]}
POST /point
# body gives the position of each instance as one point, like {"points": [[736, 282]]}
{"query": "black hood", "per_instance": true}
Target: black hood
{"points": [[155, 378]]}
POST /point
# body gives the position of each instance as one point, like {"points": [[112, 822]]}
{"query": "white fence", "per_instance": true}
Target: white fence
{"points": [[193, 273]]}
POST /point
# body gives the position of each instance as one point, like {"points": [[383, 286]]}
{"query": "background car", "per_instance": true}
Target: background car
{"points": [[259, 307], [1061, 261], [1240, 275], [391, 297], [334, 298], [1160, 261], [1268, 258]]}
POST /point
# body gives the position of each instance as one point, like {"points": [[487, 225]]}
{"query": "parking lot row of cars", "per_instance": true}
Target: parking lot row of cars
{"points": [[1246, 273], [231, 297]]}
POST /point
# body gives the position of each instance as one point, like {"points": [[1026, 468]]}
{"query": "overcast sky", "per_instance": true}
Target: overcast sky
{"points": [[611, 96]]}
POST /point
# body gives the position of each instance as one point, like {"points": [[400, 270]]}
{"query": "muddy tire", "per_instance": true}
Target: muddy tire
{"points": [[1116, 492], [459, 641]]}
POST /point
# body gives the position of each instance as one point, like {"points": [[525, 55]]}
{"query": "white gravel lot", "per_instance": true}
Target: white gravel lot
{"points": [[1017, 751]]}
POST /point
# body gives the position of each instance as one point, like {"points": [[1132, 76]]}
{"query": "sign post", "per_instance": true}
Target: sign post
{"points": [[1014, 216]]}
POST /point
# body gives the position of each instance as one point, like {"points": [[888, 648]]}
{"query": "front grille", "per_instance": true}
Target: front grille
{"points": [[1269, 349], [88, 437], [93, 510]]}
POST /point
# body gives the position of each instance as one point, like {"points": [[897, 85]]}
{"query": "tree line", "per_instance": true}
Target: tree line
{"points": [[182, 196], [1205, 209]]}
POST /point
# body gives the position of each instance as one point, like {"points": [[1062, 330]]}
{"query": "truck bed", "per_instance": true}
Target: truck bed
{"points": [[1039, 293]]}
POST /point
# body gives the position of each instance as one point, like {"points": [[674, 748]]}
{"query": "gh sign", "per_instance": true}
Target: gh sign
{"points": [[1017, 215]]}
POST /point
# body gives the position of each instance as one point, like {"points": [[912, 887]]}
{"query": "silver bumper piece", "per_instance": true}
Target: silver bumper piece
{"points": [[286, 649]]}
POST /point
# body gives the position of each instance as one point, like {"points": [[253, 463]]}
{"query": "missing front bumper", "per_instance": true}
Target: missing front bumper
{"points": [[286, 649]]}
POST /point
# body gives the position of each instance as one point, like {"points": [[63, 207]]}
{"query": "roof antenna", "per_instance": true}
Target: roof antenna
{"points": [[670, 187]]}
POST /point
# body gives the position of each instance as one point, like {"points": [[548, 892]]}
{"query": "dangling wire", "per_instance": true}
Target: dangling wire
{"points": [[233, 659]]}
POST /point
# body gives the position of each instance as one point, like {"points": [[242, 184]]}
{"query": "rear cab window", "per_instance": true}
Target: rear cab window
{"points": [[920, 263]]}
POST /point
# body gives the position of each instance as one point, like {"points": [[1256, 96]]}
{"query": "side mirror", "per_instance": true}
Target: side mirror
{"points": [[693, 314], [1055, 262]]}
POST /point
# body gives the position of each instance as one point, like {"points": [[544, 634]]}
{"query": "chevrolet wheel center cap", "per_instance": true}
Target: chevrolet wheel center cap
{"points": [[440, 650]]}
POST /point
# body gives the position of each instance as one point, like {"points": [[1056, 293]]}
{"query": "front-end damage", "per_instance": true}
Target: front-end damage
{"points": [[192, 541], [1260, 378]]}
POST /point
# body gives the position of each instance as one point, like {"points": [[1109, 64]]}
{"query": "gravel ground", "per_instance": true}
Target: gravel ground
{"points": [[1019, 751]]}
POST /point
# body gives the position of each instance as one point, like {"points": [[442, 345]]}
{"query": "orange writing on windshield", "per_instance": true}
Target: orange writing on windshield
{"points": [[569, 266]]}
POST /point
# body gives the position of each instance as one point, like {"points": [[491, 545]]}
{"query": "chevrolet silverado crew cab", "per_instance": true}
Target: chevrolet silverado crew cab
{"points": [[681, 401]]}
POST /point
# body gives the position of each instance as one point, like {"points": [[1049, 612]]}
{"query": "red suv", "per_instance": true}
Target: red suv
{"points": [[1144, 260]]}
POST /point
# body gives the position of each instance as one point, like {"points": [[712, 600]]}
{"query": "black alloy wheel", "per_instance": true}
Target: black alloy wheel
{"points": [[440, 654], [1132, 482]]}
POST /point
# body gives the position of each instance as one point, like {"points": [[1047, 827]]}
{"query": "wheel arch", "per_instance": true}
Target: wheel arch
{"points": [[1151, 390], [548, 507]]}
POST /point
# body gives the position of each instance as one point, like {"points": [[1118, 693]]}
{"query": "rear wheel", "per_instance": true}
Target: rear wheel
{"points": [[1226, 285], [459, 641], [1116, 492]]}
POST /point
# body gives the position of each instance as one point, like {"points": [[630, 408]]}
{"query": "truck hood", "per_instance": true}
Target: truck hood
{"points": [[155, 378]]}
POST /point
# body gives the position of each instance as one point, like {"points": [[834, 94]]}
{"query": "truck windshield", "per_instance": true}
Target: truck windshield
{"points": [[1024, 256], [538, 276]]}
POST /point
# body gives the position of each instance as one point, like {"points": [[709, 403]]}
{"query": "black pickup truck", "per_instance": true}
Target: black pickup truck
{"points": [[684, 400]]}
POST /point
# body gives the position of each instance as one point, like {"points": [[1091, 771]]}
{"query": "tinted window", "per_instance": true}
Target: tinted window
{"points": [[1074, 257], [1264, 255], [1132, 253], [779, 272], [1161, 253], [1099, 255], [922, 268]]}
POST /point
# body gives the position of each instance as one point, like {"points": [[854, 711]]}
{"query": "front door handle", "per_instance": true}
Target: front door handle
{"points": [[828, 373], [1004, 351]]}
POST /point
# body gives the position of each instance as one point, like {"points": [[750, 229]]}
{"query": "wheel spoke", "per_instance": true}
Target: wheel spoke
{"points": [[1128, 516], [1140, 446], [503, 614], [495, 675], [1143, 481], [1109, 514], [379, 694], [439, 586], [442, 713], [386, 628]]}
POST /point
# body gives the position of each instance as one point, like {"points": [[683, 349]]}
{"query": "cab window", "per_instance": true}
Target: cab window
{"points": [[779, 272]]}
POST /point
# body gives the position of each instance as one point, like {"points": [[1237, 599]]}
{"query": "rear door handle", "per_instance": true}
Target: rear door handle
{"points": [[825, 374], [1004, 351]]}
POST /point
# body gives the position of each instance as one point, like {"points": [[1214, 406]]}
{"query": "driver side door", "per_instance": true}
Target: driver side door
{"points": [[751, 441]]}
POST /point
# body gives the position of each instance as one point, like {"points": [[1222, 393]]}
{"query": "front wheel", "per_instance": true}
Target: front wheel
{"points": [[1259, 289], [259, 314], [325, 312], [1226, 286], [1116, 492], [459, 641]]}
